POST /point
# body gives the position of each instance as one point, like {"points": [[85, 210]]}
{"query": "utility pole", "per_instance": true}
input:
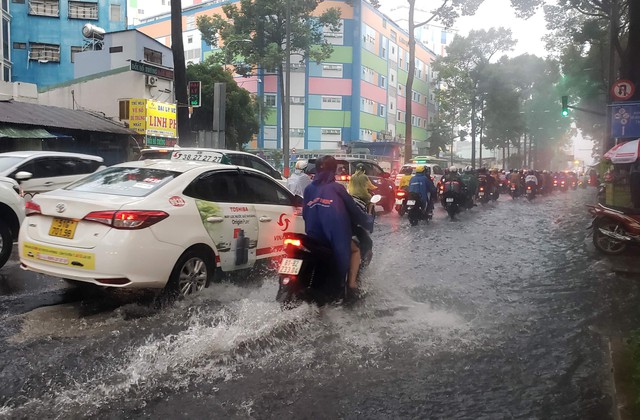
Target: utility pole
{"points": [[613, 33], [287, 100]]}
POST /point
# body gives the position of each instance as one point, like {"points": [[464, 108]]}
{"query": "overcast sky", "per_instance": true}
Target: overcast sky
{"points": [[492, 13]]}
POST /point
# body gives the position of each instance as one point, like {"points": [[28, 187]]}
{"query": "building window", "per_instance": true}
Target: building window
{"points": [[190, 39], [297, 99], [152, 56], [191, 23], [384, 52], [296, 132], [383, 81], [141, 11], [83, 10], [44, 7], [44, 53], [5, 39], [117, 49], [270, 100], [124, 110], [75, 50], [193, 54], [381, 110], [384, 23], [114, 13], [399, 115], [330, 131], [19, 45]]}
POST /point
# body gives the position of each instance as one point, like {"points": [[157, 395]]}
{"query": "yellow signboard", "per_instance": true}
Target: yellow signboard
{"points": [[138, 115], [161, 119], [153, 118]]}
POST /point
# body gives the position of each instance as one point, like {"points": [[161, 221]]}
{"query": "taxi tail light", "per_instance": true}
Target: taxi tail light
{"points": [[127, 219], [31, 208]]}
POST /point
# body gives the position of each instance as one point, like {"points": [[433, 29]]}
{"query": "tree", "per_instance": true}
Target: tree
{"points": [[464, 67], [179, 71], [256, 30], [241, 120]]}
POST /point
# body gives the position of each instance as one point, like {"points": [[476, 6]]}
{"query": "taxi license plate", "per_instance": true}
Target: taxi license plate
{"points": [[411, 202], [63, 228], [450, 200], [481, 194], [290, 266]]}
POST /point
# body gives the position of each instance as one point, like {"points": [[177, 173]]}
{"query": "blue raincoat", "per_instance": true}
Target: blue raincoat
{"points": [[423, 185], [330, 214]]}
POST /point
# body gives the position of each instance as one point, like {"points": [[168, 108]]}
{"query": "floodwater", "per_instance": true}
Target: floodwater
{"points": [[503, 313]]}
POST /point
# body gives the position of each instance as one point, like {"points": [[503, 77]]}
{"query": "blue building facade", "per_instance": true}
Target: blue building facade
{"points": [[45, 35]]}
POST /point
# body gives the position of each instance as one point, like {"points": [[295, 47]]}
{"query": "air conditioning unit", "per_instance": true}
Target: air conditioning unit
{"points": [[150, 80]]}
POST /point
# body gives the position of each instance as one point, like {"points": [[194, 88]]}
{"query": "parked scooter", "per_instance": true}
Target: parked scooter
{"points": [[614, 229], [308, 271]]}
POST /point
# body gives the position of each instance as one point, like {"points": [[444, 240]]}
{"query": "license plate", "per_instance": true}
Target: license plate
{"points": [[411, 202], [481, 194], [513, 189], [449, 200], [290, 266], [63, 228]]}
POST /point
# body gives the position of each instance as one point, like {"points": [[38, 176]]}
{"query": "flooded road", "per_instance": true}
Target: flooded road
{"points": [[504, 313]]}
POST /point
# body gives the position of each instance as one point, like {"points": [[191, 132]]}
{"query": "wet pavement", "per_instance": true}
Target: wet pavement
{"points": [[503, 313]]}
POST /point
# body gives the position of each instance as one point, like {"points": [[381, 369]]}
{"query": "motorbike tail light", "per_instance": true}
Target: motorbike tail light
{"points": [[293, 242], [343, 177], [31, 208], [562, 182], [401, 193], [481, 188], [127, 219], [529, 188]]}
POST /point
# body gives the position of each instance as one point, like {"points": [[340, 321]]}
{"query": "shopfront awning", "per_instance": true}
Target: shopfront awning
{"points": [[25, 133]]}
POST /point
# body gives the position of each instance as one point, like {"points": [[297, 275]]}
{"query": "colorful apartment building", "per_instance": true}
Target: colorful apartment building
{"points": [[358, 94]]}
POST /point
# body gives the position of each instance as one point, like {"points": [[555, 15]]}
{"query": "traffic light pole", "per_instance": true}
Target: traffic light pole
{"points": [[588, 111]]}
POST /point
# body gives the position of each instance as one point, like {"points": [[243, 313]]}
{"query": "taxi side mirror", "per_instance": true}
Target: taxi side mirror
{"points": [[23, 176]]}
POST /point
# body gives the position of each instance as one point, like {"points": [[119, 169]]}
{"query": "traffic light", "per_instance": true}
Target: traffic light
{"points": [[565, 106], [195, 97]]}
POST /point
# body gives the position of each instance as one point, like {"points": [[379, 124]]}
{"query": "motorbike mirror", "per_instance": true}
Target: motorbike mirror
{"points": [[376, 199], [386, 175], [23, 176]]}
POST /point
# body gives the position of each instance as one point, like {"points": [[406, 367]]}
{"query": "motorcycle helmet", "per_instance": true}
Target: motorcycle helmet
{"points": [[427, 171], [468, 168], [327, 164], [360, 167], [301, 165], [419, 169], [453, 169]]}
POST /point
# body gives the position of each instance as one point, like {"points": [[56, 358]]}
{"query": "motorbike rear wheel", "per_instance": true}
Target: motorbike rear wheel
{"points": [[604, 243]]}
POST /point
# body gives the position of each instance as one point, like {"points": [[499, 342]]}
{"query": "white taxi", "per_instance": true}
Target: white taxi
{"points": [[158, 224]]}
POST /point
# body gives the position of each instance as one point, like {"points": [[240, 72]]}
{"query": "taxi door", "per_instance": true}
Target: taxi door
{"points": [[276, 212], [231, 223]]}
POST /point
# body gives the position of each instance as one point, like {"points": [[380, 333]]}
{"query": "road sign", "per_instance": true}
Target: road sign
{"points": [[625, 120], [622, 90], [293, 150], [195, 94]]}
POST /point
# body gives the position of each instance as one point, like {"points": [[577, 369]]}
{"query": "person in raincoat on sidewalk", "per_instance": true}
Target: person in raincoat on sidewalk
{"points": [[299, 179]]}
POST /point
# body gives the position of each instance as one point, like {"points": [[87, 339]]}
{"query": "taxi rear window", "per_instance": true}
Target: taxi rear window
{"points": [[130, 182]]}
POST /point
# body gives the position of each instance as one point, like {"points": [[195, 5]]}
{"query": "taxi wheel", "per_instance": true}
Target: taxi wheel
{"points": [[6, 243], [191, 274]]}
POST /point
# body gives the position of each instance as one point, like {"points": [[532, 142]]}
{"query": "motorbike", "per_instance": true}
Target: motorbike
{"points": [[401, 201], [415, 210], [563, 185], [514, 191], [614, 229], [308, 273], [531, 190], [452, 198], [484, 191]]}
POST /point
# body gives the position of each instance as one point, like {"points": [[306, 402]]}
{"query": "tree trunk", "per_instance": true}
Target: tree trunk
{"points": [[408, 149], [180, 75], [474, 123], [632, 56], [481, 131]]}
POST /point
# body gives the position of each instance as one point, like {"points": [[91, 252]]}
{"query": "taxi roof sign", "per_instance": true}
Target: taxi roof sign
{"points": [[200, 155]]}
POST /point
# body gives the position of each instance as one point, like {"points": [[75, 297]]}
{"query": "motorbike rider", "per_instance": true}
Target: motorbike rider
{"points": [[360, 185], [407, 174], [531, 180], [299, 180], [422, 184], [490, 181], [471, 181], [330, 216]]}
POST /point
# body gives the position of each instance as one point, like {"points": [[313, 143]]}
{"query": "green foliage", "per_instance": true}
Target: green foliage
{"points": [[256, 30], [241, 117]]}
